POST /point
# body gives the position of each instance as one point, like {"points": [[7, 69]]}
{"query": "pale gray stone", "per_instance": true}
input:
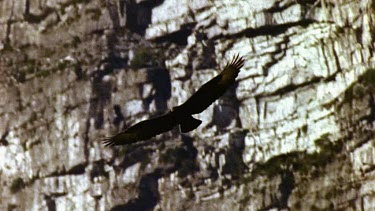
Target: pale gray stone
{"points": [[296, 131]]}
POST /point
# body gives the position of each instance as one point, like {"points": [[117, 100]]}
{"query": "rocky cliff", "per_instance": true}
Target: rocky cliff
{"points": [[296, 132]]}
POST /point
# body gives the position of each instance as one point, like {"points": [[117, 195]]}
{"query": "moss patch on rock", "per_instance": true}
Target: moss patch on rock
{"points": [[301, 161]]}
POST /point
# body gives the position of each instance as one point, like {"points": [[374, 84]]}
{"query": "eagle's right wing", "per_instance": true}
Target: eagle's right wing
{"points": [[213, 89], [143, 130]]}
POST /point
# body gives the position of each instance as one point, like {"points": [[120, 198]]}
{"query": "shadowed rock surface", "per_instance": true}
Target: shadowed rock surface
{"points": [[296, 132]]}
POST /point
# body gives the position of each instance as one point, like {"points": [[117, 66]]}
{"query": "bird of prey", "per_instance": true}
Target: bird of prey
{"points": [[181, 115]]}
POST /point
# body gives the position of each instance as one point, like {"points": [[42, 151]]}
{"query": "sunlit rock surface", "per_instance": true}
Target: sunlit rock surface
{"points": [[296, 132]]}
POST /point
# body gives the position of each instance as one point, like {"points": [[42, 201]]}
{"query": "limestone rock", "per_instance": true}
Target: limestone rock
{"points": [[295, 132]]}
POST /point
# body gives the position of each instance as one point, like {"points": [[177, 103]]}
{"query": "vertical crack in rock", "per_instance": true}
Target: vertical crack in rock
{"points": [[122, 7], [186, 164], [102, 86], [51, 204], [286, 187], [371, 103], [78, 71], [3, 138], [102, 95], [324, 54], [234, 163], [258, 109], [162, 86], [7, 41], [113, 11], [336, 58], [119, 117]]}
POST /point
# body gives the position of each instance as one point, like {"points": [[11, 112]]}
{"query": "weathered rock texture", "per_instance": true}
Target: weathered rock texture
{"points": [[296, 131]]}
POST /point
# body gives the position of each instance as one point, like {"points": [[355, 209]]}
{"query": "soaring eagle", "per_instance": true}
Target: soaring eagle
{"points": [[181, 115]]}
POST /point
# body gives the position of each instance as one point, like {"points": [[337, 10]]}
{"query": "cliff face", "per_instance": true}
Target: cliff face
{"points": [[296, 131]]}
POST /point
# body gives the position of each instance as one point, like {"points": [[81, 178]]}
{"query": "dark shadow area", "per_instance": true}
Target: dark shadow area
{"points": [[114, 14], [114, 61], [78, 71], [101, 90], [305, 3], [98, 170], [275, 30], [179, 37], [35, 18], [3, 138], [301, 162], [51, 204], [227, 110], [78, 169], [101, 96], [293, 87], [138, 15], [285, 188], [148, 195], [161, 83], [203, 56], [119, 117], [234, 164], [133, 155], [180, 158], [269, 29], [17, 185], [368, 80], [11, 207], [277, 55]]}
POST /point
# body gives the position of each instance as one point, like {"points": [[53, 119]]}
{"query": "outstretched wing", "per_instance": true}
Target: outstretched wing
{"points": [[213, 89], [143, 130]]}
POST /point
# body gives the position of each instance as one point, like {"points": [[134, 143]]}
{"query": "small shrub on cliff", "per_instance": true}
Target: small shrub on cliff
{"points": [[369, 77], [17, 185], [147, 57]]}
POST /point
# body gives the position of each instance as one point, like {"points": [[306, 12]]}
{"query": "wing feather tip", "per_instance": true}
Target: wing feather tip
{"points": [[237, 62], [108, 142]]}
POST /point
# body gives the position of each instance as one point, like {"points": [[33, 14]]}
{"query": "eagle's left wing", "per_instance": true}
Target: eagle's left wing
{"points": [[143, 130]]}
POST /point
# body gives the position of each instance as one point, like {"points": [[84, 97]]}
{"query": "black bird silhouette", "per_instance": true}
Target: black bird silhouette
{"points": [[181, 115]]}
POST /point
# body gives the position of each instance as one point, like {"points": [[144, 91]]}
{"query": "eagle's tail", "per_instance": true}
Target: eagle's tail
{"points": [[189, 124]]}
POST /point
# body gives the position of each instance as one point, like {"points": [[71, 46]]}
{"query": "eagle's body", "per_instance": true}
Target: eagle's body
{"points": [[181, 115]]}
